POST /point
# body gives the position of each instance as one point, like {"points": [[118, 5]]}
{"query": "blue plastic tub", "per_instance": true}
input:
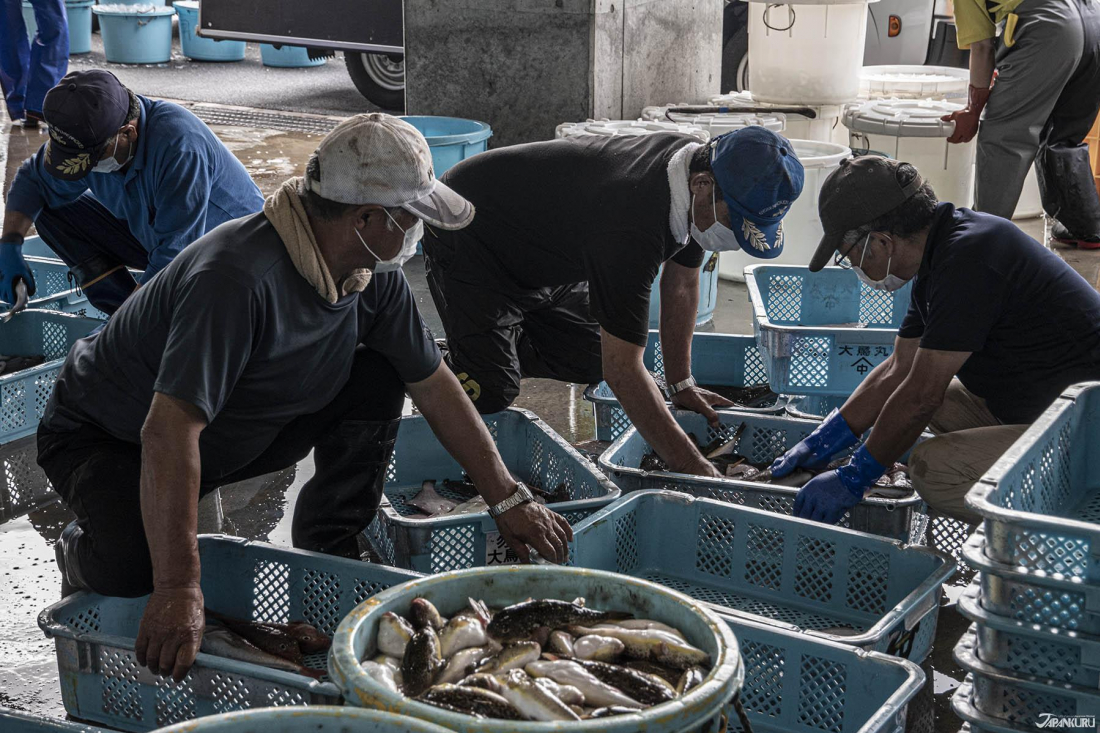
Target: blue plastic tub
{"points": [[498, 587], [529, 448], [195, 46], [451, 139], [708, 293], [136, 34], [1041, 500], [849, 587], [315, 719], [716, 359], [12, 721], [94, 635], [23, 395], [79, 13], [288, 57], [763, 438], [821, 333]]}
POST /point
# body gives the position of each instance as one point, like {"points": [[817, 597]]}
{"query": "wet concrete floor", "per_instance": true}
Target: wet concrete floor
{"points": [[31, 519]]}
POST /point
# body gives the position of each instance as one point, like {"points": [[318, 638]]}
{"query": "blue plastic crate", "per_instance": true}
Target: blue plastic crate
{"points": [[23, 486], [795, 682], [721, 359], [976, 721], [13, 721], [315, 719], [765, 437], [798, 319], [24, 394], [100, 677], [1041, 500], [529, 448], [1022, 700], [35, 247], [848, 587]]}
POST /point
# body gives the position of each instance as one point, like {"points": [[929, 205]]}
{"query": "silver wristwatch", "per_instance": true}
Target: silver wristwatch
{"points": [[674, 389], [522, 494]]}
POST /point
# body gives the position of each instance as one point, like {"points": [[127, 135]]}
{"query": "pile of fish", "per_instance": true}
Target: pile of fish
{"points": [[895, 483], [536, 660], [751, 395], [13, 364], [279, 646], [430, 504]]}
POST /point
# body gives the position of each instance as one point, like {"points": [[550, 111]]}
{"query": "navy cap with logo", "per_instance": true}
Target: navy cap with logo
{"points": [[83, 112], [858, 192], [760, 177]]}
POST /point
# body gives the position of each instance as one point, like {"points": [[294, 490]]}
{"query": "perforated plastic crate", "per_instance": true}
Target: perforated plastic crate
{"points": [[1041, 500], [24, 486], [716, 359], [795, 682], [23, 395], [316, 719], [12, 721], [1019, 648], [976, 721], [765, 437], [1023, 700], [848, 587], [802, 326], [1034, 597], [529, 448], [100, 677]]}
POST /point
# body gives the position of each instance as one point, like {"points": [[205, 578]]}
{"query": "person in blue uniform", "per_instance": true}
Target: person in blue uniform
{"points": [[30, 67]]}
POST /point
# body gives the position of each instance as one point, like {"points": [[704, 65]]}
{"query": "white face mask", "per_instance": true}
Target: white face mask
{"points": [[108, 164], [718, 237], [888, 284], [413, 235]]}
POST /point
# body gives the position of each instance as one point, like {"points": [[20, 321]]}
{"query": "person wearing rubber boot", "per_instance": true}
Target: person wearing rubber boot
{"points": [[29, 68], [123, 182], [285, 332], [553, 277], [1039, 109], [998, 326]]}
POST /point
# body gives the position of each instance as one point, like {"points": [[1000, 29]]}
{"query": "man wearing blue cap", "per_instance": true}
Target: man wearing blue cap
{"points": [[552, 279], [123, 182]]}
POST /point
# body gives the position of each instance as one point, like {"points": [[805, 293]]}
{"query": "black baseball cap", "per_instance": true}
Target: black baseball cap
{"points": [[858, 192], [83, 112]]}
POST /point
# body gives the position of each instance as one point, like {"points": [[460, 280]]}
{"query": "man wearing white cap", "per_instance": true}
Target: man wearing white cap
{"points": [[285, 332]]}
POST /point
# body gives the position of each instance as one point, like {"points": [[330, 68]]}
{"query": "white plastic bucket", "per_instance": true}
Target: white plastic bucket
{"points": [[1030, 204], [913, 82], [825, 127], [806, 51], [802, 225], [912, 131], [719, 123]]}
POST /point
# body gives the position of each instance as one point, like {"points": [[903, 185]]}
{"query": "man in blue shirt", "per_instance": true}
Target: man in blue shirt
{"points": [[124, 182]]}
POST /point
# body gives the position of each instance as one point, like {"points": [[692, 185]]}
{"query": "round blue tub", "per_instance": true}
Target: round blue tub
{"points": [[287, 57], [451, 139], [195, 46], [80, 24], [136, 34], [708, 293]]}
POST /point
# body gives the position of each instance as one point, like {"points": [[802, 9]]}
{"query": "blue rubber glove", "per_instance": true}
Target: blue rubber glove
{"points": [[831, 437], [825, 498], [12, 267]]}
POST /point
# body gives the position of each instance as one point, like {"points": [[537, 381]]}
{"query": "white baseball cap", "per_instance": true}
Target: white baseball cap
{"points": [[381, 159]]}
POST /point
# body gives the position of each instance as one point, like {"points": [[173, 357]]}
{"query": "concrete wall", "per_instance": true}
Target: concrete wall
{"points": [[524, 66]]}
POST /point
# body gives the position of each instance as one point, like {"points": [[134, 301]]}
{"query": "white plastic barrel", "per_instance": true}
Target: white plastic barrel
{"points": [[802, 225], [1030, 204], [911, 130], [718, 123], [901, 81], [825, 126], [806, 51]]}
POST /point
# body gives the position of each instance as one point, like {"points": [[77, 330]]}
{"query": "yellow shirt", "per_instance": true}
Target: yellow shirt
{"points": [[973, 22]]}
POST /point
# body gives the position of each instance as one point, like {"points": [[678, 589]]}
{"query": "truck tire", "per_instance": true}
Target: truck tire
{"points": [[379, 77]]}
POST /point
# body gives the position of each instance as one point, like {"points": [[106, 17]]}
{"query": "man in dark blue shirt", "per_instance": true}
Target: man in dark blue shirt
{"points": [[124, 182], [997, 327]]}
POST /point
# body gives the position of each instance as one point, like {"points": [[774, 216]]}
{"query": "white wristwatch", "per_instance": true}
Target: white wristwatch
{"points": [[674, 389], [522, 494]]}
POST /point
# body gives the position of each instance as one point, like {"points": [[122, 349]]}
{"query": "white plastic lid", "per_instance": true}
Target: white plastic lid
{"points": [[819, 154], [186, 4], [913, 82], [613, 128], [119, 9], [744, 99], [902, 117], [719, 122]]}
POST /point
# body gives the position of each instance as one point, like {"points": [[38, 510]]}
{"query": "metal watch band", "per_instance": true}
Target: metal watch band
{"points": [[681, 386], [522, 494]]}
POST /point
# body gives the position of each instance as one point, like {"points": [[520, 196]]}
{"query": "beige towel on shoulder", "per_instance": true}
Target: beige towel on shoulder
{"points": [[285, 212]]}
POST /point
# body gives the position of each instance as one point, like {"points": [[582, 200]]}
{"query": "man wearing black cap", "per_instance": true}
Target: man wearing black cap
{"points": [[997, 327], [123, 182], [553, 277]]}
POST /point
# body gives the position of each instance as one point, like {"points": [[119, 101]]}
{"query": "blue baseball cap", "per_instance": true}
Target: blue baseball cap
{"points": [[759, 176]]}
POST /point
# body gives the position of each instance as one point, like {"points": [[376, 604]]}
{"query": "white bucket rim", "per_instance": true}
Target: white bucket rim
{"points": [[820, 154]]}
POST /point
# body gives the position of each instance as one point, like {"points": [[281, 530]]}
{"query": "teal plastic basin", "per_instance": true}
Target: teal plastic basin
{"points": [[79, 13], [195, 46], [136, 34], [287, 57]]}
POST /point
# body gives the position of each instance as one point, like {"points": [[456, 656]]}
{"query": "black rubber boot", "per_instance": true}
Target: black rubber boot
{"points": [[342, 497], [1069, 193], [68, 560], [107, 284]]}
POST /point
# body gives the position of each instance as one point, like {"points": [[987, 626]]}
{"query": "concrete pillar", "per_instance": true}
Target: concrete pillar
{"points": [[524, 66]]}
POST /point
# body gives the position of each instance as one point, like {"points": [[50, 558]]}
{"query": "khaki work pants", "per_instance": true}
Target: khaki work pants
{"points": [[969, 440]]}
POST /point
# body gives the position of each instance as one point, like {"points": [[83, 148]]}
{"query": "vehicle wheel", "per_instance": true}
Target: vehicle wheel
{"points": [[735, 62], [379, 77]]}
